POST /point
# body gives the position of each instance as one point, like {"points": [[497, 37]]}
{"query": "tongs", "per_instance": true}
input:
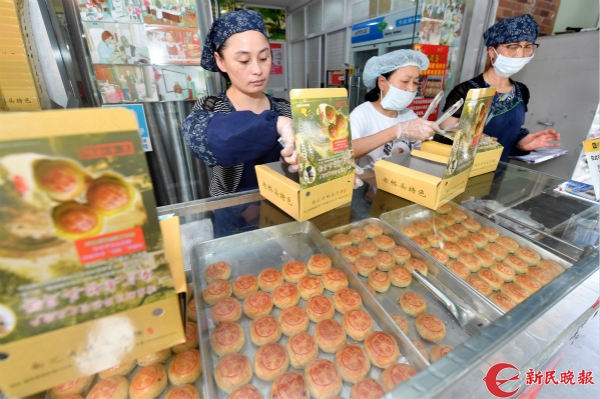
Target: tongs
{"points": [[470, 321]]}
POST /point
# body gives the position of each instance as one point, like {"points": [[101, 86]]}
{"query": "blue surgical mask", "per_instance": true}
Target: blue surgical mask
{"points": [[397, 99]]}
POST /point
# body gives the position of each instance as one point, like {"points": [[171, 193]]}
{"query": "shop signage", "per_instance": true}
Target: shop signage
{"points": [[431, 80], [389, 25]]}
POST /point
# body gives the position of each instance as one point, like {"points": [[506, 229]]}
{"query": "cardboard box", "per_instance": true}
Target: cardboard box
{"points": [[326, 167], [271, 215], [86, 282], [486, 159], [431, 179]]}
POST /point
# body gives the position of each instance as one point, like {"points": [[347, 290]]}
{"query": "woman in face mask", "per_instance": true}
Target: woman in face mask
{"points": [[511, 45], [382, 125]]}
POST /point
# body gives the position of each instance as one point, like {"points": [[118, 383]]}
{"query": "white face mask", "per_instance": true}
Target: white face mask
{"points": [[396, 99], [506, 67]]}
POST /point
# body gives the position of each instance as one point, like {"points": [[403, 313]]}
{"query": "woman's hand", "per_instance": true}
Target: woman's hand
{"points": [[539, 139], [285, 128], [417, 130]]}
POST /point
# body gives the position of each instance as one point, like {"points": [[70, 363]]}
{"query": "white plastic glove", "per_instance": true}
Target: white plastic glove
{"points": [[357, 181], [285, 128], [417, 130]]}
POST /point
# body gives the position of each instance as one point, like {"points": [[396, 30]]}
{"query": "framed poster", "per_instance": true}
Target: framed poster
{"points": [[113, 43], [175, 46]]}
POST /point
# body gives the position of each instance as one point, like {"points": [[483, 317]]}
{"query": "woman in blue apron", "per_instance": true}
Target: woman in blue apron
{"points": [[511, 45]]}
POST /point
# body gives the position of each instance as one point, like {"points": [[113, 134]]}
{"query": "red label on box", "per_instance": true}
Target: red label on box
{"points": [[106, 150], [110, 245], [340, 145]]}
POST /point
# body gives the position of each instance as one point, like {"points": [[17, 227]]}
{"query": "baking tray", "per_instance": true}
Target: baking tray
{"points": [[455, 335], [412, 213], [252, 252]]}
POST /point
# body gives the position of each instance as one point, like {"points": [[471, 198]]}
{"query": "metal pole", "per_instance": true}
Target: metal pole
{"points": [[176, 153]]}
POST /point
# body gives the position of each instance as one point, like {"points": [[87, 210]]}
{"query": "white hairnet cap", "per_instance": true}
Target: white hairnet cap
{"points": [[389, 62]]}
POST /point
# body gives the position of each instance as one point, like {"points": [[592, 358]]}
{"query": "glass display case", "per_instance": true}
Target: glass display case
{"points": [[532, 335]]}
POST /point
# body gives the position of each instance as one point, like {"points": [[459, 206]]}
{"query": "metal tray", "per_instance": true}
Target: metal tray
{"points": [[406, 216], [445, 281], [252, 252]]}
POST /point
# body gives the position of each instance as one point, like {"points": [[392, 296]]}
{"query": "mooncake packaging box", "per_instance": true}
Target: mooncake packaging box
{"points": [[432, 179], [85, 280], [326, 168]]}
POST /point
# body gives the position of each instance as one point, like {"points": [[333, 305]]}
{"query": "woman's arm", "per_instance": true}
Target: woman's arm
{"points": [[365, 145]]}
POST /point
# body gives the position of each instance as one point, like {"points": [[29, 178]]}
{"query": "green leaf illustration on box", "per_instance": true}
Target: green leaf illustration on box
{"points": [[323, 136], [470, 131]]}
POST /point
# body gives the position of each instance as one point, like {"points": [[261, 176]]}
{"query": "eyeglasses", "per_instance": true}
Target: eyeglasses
{"points": [[514, 49]]}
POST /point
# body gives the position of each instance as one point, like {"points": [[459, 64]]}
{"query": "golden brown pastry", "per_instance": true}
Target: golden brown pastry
{"points": [[449, 235], [227, 338], [185, 368], [365, 266], [551, 267], [438, 352], [542, 276], [352, 362], [494, 280], [479, 239], [246, 392], [503, 301], [486, 259], [191, 338], [384, 243], [447, 219], [451, 249], [400, 276], [358, 235], [153, 358], [380, 281], [346, 299], [310, 286], [350, 253], [460, 230], [373, 230], [382, 349], [423, 227], [368, 249], [227, 309], [185, 391], [302, 349], [412, 304], [416, 264], [148, 383], [400, 254], [480, 285], [289, 385], [264, 330], [508, 243], [469, 261], [457, 215], [257, 304], [270, 361], [216, 291], [439, 255], [430, 328], [420, 348], [396, 374], [497, 250], [410, 231], [341, 240], [323, 379], [74, 387], [217, 271], [334, 280], [505, 272], [294, 320], [233, 371], [384, 261], [319, 307], [319, 264], [191, 311], [467, 245], [434, 239], [269, 278], [401, 322], [517, 264], [353, 268], [471, 224], [529, 283], [489, 233], [421, 242], [459, 269], [244, 286], [330, 335], [442, 210], [515, 292], [114, 387], [358, 324], [286, 295], [122, 369], [293, 271], [437, 224], [528, 255], [371, 289]]}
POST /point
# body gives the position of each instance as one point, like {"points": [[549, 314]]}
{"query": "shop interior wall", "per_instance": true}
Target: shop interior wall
{"points": [[576, 14]]}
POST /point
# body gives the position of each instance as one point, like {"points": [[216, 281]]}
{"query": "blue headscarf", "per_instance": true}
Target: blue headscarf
{"points": [[224, 27], [512, 30]]}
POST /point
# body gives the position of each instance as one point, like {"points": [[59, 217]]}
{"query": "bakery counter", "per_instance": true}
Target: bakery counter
{"points": [[522, 203]]}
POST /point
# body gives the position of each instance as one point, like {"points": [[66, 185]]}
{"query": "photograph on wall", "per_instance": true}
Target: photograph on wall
{"points": [[274, 21], [450, 35], [112, 43], [126, 11], [430, 31], [434, 9], [170, 12], [170, 45], [454, 11], [126, 83], [180, 83], [431, 80]]}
